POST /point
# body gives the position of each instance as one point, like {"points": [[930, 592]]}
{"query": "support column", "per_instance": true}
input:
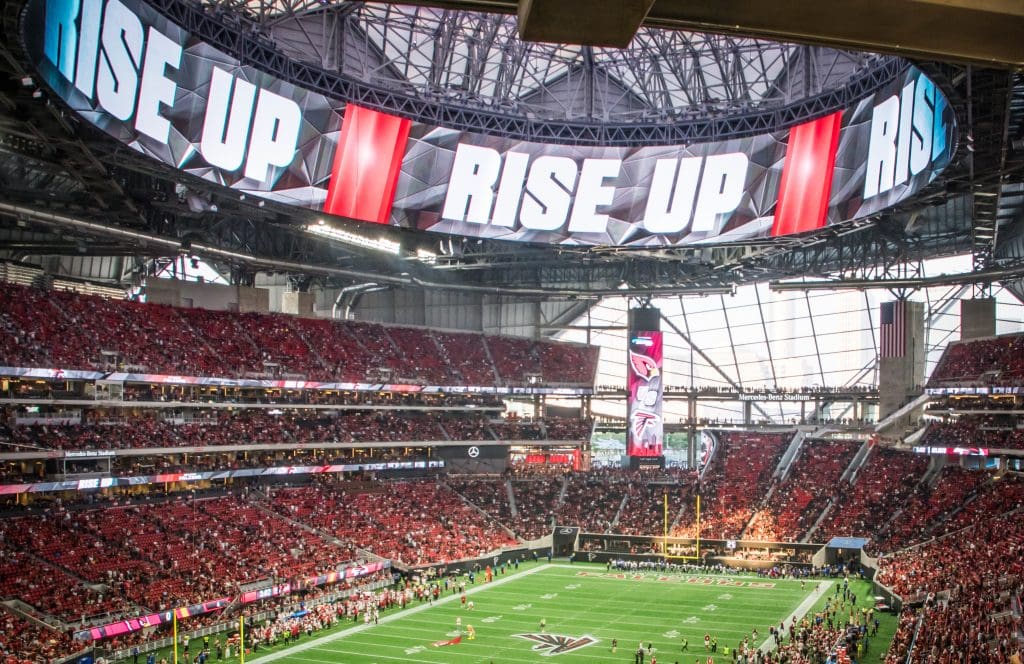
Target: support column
{"points": [[693, 444], [901, 359]]}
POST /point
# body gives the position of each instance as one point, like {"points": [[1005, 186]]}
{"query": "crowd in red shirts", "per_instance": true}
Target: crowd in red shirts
{"points": [[255, 427], [886, 480], [966, 583], [928, 507], [995, 431], [992, 361], [161, 555], [414, 523], [23, 642], [644, 511], [735, 484], [797, 501], [58, 329]]}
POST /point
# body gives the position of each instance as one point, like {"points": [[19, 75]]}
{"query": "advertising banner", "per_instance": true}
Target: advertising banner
{"points": [[151, 85], [645, 429], [94, 483], [151, 620], [261, 383]]}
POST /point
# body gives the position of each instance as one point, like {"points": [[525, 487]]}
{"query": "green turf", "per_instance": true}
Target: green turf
{"points": [[628, 609]]}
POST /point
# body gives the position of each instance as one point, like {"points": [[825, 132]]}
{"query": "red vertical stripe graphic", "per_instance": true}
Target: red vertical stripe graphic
{"points": [[366, 165], [807, 176]]}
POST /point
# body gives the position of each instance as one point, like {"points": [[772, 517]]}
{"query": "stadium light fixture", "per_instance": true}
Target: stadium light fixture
{"points": [[428, 257], [331, 233]]}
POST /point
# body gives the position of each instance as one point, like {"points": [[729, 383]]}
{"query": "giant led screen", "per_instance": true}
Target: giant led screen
{"points": [[151, 85]]}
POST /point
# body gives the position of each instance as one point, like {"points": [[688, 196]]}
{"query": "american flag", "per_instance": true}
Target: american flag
{"points": [[892, 329]]}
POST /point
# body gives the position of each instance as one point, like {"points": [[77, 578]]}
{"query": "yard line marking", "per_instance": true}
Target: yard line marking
{"points": [[329, 638]]}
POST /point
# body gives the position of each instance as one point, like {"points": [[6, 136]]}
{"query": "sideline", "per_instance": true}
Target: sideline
{"points": [[329, 638], [799, 612]]}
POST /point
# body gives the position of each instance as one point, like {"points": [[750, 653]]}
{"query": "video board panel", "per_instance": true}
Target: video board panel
{"points": [[151, 85], [645, 436]]}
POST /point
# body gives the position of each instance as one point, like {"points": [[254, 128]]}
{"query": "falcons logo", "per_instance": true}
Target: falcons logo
{"points": [[641, 420], [557, 644]]}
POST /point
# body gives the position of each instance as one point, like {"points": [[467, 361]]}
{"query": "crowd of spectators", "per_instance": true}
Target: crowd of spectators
{"points": [[23, 642], [989, 361], [536, 499], [51, 590], [256, 427], [796, 502], [644, 512], [928, 507], [966, 584], [156, 556], [592, 500], [146, 557], [861, 508], [735, 483], [986, 431], [60, 329], [993, 497], [568, 428], [412, 522], [488, 493]]}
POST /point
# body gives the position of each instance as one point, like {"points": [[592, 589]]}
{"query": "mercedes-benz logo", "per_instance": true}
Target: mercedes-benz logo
{"points": [[473, 452]]}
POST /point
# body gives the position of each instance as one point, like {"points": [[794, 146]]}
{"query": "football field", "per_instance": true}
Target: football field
{"points": [[584, 608]]}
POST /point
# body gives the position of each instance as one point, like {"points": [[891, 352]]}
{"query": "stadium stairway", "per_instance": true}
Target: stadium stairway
{"points": [[930, 477], [934, 472], [711, 460], [306, 342], [487, 517], [490, 361], [858, 461], [394, 344], [260, 503], [915, 438], [30, 614], [561, 494], [850, 474], [789, 457], [906, 409], [935, 525], [817, 522], [678, 516], [511, 499], [618, 513], [792, 453]]}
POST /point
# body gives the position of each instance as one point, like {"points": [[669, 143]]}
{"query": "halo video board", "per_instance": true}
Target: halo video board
{"points": [[151, 85]]}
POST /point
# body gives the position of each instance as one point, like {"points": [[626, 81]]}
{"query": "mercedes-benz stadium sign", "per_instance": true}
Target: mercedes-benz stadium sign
{"points": [[145, 81]]}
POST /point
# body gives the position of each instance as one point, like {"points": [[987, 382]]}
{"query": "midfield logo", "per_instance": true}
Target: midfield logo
{"points": [[557, 644]]}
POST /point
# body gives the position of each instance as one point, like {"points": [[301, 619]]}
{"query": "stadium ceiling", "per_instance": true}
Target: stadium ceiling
{"points": [[980, 31], [70, 190]]}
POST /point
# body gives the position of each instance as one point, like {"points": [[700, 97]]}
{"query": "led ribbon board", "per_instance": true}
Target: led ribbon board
{"points": [[147, 83]]}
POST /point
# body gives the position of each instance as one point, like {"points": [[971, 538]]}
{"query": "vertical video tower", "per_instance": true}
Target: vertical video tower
{"points": [[645, 430]]}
